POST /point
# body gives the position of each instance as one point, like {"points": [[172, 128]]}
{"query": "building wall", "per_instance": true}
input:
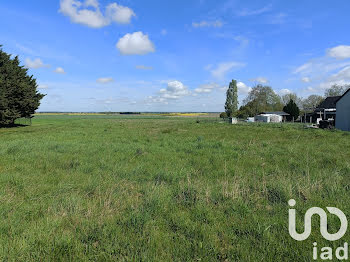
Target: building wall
{"points": [[343, 113], [268, 118], [276, 118], [262, 118]]}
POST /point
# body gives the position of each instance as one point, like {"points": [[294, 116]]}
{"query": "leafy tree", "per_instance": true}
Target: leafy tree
{"points": [[18, 91], [292, 109], [223, 115], [231, 105], [244, 112], [336, 90], [312, 102], [261, 98]]}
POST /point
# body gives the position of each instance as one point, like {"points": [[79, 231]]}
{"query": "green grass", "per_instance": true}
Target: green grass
{"points": [[113, 188]]}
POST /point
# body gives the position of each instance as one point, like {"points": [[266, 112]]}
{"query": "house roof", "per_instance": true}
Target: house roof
{"points": [[342, 95], [329, 102], [280, 113]]}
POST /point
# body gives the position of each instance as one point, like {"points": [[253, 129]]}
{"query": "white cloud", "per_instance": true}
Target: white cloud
{"points": [[164, 32], [105, 80], [43, 86], [339, 52], [319, 67], [174, 90], [88, 13], [326, 64], [243, 88], [303, 68], [327, 84], [143, 67], [342, 75], [88, 17], [206, 88], [326, 71], [216, 23], [311, 89], [59, 70], [135, 44], [285, 91], [35, 64], [306, 79], [260, 80], [247, 12], [225, 67], [119, 14], [156, 99]]}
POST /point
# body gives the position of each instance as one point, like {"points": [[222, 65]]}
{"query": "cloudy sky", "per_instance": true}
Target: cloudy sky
{"points": [[156, 55]]}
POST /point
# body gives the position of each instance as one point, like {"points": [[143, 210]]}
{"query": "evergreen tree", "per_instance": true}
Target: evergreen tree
{"points": [[292, 109], [231, 105], [18, 91]]}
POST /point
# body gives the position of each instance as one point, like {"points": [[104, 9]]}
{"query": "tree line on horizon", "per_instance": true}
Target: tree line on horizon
{"points": [[19, 97], [263, 98]]}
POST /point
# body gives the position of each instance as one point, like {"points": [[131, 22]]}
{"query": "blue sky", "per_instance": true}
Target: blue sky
{"points": [[129, 55]]}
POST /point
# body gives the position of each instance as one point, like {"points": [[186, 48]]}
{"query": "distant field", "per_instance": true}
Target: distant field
{"points": [[162, 188], [140, 114]]}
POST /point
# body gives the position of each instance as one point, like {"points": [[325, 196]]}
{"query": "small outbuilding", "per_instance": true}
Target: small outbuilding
{"points": [[277, 116], [262, 118], [343, 112], [233, 120], [272, 117]]}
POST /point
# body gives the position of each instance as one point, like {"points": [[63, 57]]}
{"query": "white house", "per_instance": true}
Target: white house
{"points": [[343, 112]]}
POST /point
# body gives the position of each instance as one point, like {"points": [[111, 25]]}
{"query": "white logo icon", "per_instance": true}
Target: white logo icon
{"points": [[323, 222]]}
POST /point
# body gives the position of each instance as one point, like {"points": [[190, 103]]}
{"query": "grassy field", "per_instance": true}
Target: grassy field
{"points": [[118, 188]]}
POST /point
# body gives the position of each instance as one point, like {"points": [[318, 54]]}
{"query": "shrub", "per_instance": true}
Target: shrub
{"points": [[223, 115]]}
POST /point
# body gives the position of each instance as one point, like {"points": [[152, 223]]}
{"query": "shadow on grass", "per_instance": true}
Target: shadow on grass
{"points": [[12, 126]]}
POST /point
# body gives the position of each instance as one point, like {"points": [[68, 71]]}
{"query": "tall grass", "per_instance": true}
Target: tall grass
{"points": [[107, 188]]}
